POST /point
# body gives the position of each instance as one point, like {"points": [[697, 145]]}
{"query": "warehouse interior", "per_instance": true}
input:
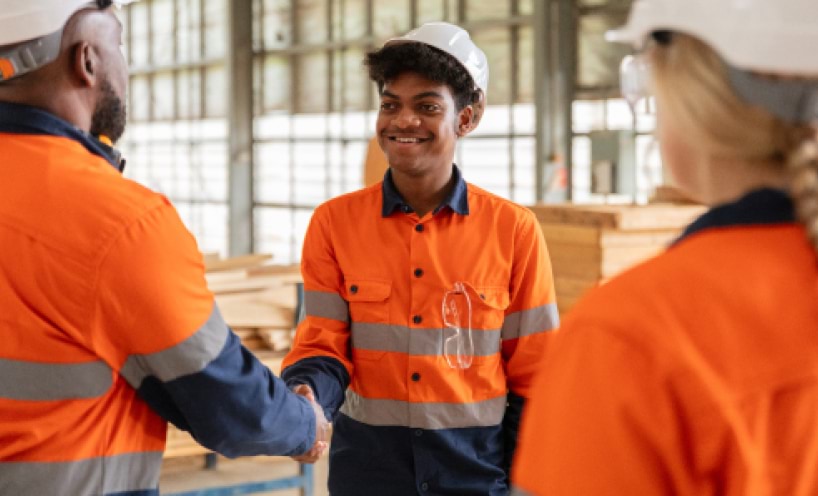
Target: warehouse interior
{"points": [[247, 114]]}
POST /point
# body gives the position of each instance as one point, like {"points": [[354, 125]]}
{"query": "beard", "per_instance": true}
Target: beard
{"points": [[109, 114]]}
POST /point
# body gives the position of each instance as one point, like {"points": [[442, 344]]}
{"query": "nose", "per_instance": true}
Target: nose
{"points": [[406, 118]]}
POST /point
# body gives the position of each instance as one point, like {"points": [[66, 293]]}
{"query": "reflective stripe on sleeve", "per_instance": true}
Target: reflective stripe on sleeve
{"points": [[400, 339], [188, 357], [527, 322], [34, 381], [424, 415], [103, 475], [326, 305]]}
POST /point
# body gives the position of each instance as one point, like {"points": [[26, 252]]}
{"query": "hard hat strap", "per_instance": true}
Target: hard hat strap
{"points": [[793, 101], [29, 56]]}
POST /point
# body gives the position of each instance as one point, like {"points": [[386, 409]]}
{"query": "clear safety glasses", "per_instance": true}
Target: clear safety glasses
{"points": [[458, 347], [634, 79]]}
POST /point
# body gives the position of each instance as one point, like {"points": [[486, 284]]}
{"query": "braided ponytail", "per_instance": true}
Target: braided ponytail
{"points": [[803, 166]]}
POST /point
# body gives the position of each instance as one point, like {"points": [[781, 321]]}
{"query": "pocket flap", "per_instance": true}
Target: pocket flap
{"points": [[366, 290], [494, 297]]}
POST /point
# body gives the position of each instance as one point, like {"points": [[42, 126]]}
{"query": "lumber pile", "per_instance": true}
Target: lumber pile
{"points": [[258, 302], [589, 244]]}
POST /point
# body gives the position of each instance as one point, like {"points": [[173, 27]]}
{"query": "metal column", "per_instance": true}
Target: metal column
{"points": [[240, 127], [555, 28]]}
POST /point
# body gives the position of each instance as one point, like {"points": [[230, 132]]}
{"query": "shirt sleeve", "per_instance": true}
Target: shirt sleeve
{"points": [[320, 353], [599, 422], [157, 323], [532, 314]]}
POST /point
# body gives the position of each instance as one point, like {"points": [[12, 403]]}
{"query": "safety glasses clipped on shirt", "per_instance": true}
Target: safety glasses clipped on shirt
{"points": [[458, 346]]}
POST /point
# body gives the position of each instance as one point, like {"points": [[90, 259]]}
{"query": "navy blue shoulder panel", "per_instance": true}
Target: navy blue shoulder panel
{"points": [[760, 207]]}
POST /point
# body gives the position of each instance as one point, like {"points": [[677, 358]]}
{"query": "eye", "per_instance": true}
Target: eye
{"points": [[388, 106], [430, 107]]}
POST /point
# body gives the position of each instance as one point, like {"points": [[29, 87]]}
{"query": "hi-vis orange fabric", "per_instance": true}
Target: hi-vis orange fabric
{"points": [[693, 374], [107, 323], [375, 276]]}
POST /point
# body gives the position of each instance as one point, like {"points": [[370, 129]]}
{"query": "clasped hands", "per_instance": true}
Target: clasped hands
{"points": [[323, 429]]}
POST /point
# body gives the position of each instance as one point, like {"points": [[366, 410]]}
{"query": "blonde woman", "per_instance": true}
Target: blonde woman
{"points": [[697, 372]]}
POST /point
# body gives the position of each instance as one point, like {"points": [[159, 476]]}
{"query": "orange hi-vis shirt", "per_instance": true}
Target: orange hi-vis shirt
{"points": [[108, 330], [695, 373], [375, 276]]}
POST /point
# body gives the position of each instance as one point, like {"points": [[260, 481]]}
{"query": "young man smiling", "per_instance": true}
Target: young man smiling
{"points": [[428, 300]]}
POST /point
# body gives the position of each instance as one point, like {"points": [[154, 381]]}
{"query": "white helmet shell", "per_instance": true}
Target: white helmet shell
{"points": [[23, 20], [771, 36], [455, 41]]}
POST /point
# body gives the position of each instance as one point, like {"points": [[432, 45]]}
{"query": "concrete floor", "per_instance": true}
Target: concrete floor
{"points": [[187, 474]]}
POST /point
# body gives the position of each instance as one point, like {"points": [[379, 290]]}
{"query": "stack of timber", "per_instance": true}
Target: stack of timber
{"points": [[258, 302], [589, 244]]}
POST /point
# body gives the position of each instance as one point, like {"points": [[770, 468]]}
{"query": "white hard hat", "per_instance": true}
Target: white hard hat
{"points": [[772, 36], [40, 22], [775, 37], [455, 41]]}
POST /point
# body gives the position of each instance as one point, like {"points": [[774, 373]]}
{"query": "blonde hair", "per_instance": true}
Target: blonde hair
{"points": [[691, 81]]}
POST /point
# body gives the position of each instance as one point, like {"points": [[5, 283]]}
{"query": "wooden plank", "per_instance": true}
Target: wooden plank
{"points": [[272, 269], [242, 262], [253, 284], [569, 234], [254, 310], [623, 217]]}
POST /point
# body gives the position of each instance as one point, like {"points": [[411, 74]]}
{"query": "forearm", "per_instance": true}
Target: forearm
{"points": [[326, 376], [235, 406]]}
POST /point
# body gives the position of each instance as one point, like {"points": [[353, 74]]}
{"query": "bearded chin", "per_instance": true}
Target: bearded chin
{"points": [[109, 114]]}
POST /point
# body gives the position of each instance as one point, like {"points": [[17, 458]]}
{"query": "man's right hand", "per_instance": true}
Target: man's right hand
{"points": [[322, 427]]}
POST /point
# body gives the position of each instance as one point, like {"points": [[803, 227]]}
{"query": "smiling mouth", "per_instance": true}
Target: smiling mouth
{"points": [[407, 140]]}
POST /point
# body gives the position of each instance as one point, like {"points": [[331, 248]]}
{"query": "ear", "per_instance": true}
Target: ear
{"points": [[87, 65], [465, 121], [479, 107]]}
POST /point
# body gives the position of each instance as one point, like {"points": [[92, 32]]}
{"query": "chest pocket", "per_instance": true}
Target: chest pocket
{"points": [[488, 306], [368, 300]]}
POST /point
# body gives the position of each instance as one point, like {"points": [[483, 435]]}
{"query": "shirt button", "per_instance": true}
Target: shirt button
{"points": [[418, 432], [417, 319], [418, 272], [416, 377], [424, 487], [353, 289], [419, 228]]}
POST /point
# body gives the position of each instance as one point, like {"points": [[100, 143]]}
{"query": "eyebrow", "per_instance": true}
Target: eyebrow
{"points": [[419, 96]]}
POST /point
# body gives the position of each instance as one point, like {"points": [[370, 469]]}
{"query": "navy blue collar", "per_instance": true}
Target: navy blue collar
{"points": [[458, 199], [760, 207], [23, 119]]}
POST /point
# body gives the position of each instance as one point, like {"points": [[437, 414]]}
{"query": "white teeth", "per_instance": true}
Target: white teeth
{"points": [[407, 140]]}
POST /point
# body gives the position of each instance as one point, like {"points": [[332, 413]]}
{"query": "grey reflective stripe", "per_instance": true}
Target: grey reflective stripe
{"points": [[104, 475], [527, 322], [188, 357], [34, 381], [326, 305], [400, 339], [424, 415], [516, 491]]}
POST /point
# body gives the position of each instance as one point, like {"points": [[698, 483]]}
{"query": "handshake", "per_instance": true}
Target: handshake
{"points": [[323, 429]]}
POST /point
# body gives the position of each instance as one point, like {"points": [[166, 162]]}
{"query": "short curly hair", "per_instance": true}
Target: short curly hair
{"points": [[392, 60]]}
